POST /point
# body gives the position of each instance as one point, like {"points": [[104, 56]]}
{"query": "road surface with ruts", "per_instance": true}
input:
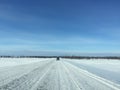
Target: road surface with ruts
{"points": [[51, 75]]}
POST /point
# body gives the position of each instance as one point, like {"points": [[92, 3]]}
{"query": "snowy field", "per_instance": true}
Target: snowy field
{"points": [[19, 61], [108, 69], [66, 74]]}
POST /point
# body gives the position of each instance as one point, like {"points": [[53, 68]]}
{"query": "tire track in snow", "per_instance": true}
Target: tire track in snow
{"points": [[58, 75], [56, 79], [72, 79], [35, 86], [92, 76], [9, 74], [26, 81], [48, 82]]}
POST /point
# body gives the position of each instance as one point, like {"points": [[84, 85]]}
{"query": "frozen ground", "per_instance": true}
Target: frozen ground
{"points": [[50, 74], [18, 61], [108, 69]]}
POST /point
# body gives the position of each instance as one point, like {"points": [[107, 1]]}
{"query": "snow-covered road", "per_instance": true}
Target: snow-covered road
{"points": [[51, 75]]}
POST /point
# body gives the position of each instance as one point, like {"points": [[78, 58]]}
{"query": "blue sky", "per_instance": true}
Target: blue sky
{"points": [[85, 26]]}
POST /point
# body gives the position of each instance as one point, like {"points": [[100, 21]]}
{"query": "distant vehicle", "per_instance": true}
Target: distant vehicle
{"points": [[58, 58]]}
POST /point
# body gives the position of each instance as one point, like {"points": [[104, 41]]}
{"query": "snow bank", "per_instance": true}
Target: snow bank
{"points": [[108, 69], [19, 61]]}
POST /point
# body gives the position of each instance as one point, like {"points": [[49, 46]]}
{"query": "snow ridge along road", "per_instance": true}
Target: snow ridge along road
{"points": [[90, 80], [51, 75]]}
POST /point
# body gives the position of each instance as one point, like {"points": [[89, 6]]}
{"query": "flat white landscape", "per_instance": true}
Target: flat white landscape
{"points": [[108, 69], [66, 74]]}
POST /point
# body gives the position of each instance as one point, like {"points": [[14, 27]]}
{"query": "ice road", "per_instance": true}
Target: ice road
{"points": [[49, 74]]}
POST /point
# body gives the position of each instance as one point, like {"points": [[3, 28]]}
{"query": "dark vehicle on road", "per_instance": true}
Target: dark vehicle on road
{"points": [[58, 58]]}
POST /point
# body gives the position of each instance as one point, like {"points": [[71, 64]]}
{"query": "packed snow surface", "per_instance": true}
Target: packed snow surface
{"points": [[18, 61], [49, 74], [108, 69]]}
